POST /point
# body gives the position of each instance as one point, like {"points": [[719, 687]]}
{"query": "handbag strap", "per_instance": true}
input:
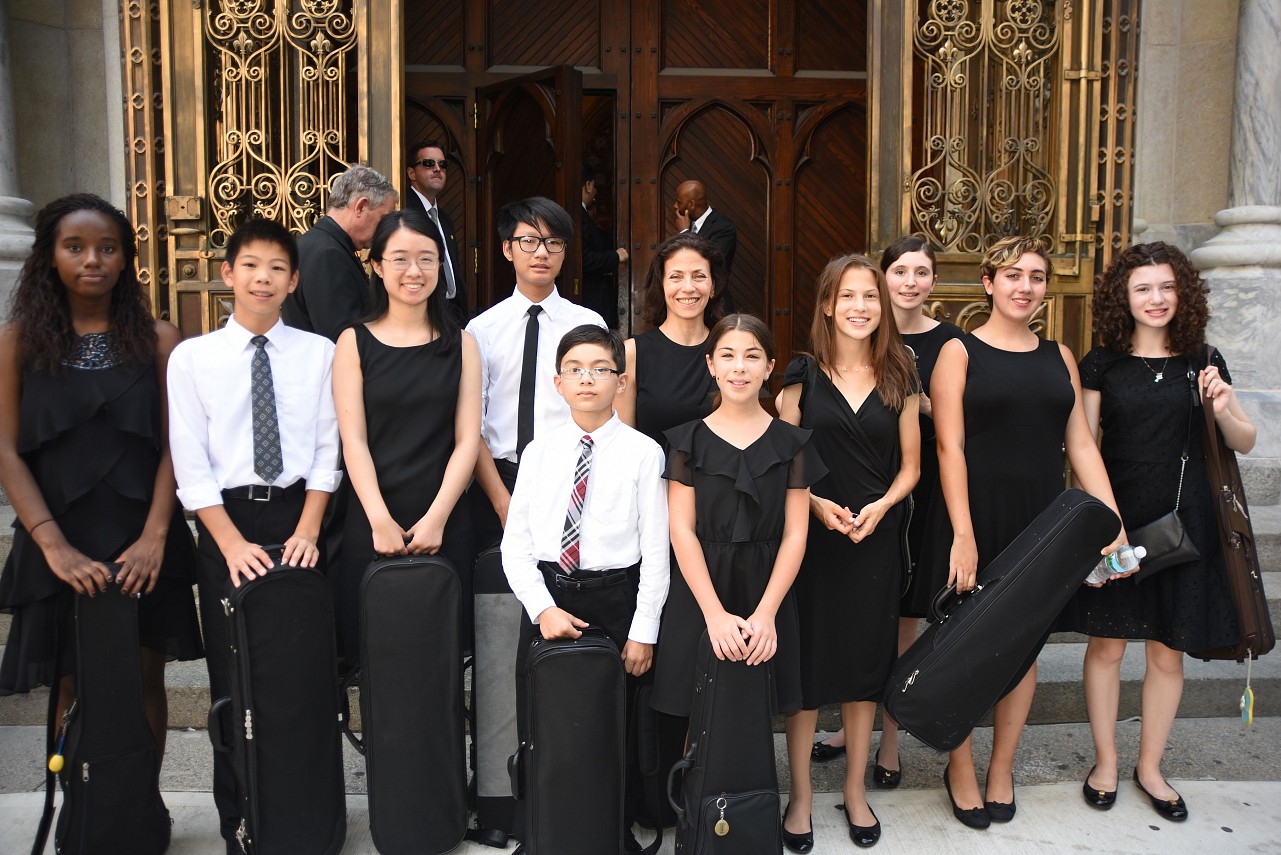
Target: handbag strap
{"points": [[1187, 437]]}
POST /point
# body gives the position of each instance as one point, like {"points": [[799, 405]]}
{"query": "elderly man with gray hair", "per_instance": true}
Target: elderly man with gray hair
{"points": [[333, 288]]}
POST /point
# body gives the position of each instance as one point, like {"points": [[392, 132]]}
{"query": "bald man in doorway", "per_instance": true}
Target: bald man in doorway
{"points": [[694, 214]]}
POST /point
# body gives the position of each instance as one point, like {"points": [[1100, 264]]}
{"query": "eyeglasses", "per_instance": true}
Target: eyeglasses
{"points": [[426, 262], [428, 163], [529, 243], [582, 374]]}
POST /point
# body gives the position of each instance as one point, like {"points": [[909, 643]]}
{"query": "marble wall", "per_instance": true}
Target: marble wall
{"points": [[64, 58], [1183, 120]]}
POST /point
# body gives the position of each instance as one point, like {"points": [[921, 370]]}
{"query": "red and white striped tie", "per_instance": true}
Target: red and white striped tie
{"points": [[574, 516]]}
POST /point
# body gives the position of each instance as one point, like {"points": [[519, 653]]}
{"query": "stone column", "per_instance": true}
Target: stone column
{"points": [[1242, 263], [15, 232]]}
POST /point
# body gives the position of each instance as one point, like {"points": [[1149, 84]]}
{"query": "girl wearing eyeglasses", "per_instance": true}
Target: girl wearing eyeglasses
{"points": [[407, 389]]}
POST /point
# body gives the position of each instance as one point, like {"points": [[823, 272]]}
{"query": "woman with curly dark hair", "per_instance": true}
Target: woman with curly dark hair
{"points": [[683, 297], [1139, 384], [84, 454]]}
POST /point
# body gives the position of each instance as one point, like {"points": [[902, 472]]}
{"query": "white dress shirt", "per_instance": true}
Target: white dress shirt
{"points": [[429, 205], [500, 337], [211, 412], [624, 516]]}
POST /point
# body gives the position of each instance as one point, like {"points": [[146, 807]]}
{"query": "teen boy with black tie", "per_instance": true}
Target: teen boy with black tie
{"points": [[254, 439]]}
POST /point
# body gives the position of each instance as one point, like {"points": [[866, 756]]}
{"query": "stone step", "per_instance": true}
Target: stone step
{"points": [[1211, 689]]}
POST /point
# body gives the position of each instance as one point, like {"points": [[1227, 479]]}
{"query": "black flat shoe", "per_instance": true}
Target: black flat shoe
{"points": [[802, 842], [863, 835], [1172, 809], [1001, 811], [823, 752], [886, 779], [972, 817], [1101, 799]]}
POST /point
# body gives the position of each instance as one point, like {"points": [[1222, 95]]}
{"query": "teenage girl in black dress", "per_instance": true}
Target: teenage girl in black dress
{"points": [[1006, 405], [84, 455]]}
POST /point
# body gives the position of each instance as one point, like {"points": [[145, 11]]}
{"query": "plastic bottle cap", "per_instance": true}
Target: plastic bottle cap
{"points": [[1140, 552]]}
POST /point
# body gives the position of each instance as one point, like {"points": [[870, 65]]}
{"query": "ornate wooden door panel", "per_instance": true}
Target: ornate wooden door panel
{"points": [[766, 103], [529, 138]]}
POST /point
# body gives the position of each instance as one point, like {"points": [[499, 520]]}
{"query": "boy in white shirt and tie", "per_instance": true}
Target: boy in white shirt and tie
{"points": [[254, 439], [586, 541]]}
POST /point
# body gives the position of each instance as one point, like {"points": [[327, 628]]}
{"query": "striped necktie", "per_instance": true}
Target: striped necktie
{"points": [[569, 540]]}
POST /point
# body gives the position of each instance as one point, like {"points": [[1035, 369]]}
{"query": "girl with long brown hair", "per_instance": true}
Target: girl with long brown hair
{"points": [[858, 393]]}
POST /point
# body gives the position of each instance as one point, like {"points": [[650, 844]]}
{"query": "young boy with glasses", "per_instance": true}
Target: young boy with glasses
{"points": [[517, 340], [586, 541]]}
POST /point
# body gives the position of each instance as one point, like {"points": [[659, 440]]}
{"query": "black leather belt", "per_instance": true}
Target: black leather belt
{"points": [[586, 580], [263, 492]]}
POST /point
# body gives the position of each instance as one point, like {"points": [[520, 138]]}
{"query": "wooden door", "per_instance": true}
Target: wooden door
{"points": [[766, 103], [528, 139]]}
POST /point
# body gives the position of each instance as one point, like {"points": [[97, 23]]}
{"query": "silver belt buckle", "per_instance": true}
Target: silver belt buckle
{"points": [[266, 493]]}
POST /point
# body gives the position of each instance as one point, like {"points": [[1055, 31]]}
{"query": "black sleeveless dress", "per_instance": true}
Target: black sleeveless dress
{"points": [[1144, 425], [411, 397], [91, 436], [740, 497], [1017, 406], [847, 593], [673, 385], [925, 347]]}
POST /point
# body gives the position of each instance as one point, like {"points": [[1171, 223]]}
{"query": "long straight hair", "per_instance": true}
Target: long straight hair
{"points": [[892, 367], [438, 314]]}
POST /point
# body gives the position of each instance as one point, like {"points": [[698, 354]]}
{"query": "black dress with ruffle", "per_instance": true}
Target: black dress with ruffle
{"points": [[740, 500], [91, 436]]}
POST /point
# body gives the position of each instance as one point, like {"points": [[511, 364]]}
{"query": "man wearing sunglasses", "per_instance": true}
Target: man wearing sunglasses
{"points": [[427, 172]]}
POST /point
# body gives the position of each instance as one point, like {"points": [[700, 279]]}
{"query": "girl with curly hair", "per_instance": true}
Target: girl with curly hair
{"points": [[1007, 405], [1150, 314], [84, 455]]}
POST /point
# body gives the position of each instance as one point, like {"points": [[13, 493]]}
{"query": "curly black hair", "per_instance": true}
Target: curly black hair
{"points": [[39, 308], [1113, 323]]}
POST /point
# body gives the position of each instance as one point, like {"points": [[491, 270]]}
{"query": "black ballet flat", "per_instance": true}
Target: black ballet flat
{"points": [[863, 836], [1172, 809], [803, 842], [1101, 799], [1002, 811], [972, 817], [886, 779], [822, 752]]}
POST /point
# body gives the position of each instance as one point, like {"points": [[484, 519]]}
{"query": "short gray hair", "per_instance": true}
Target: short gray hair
{"points": [[360, 181]]}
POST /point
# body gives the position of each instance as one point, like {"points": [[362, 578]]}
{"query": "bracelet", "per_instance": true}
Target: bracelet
{"points": [[37, 525]]}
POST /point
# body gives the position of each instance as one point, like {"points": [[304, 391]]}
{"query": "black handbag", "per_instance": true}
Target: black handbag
{"points": [[1166, 538]]}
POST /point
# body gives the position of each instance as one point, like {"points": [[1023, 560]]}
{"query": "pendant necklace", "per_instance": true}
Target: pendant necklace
{"points": [[1157, 376]]}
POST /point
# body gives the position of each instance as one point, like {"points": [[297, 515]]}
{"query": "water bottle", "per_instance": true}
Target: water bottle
{"points": [[1123, 560]]}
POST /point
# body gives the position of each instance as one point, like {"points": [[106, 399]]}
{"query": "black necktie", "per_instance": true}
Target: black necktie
{"points": [[450, 288], [528, 374]]}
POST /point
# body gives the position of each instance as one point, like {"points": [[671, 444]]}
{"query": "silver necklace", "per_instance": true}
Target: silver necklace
{"points": [[1157, 376]]}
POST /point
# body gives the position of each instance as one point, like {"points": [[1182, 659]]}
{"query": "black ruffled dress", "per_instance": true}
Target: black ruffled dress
{"points": [[91, 436], [740, 500]]}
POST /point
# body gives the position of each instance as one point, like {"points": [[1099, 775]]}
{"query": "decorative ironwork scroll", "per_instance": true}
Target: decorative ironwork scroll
{"points": [[145, 145], [986, 121], [1113, 196], [278, 111]]}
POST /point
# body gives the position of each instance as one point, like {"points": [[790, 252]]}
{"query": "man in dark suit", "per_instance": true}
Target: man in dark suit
{"points": [[694, 214], [427, 171], [600, 259], [333, 288]]}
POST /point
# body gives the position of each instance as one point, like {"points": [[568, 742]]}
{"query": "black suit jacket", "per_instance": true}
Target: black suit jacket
{"points": [[720, 230], [414, 203], [333, 288], [599, 270]]}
